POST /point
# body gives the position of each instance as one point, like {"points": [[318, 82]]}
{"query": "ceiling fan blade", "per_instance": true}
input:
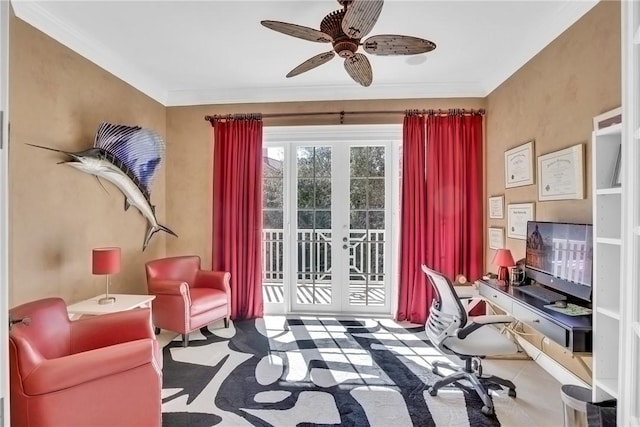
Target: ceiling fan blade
{"points": [[360, 17], [298, 31], [312, 63], [393, 44], [359, 69]]}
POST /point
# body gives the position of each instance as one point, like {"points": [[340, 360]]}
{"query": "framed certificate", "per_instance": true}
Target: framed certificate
{"points": [[496, 238], [496, 207], [517, 217], [560, 174], [518, 165]]}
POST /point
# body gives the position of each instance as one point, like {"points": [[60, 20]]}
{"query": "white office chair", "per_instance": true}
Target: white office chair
{"points": [[447, 328]]}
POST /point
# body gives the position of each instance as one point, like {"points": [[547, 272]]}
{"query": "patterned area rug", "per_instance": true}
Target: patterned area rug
{"points": [[309, 371]]}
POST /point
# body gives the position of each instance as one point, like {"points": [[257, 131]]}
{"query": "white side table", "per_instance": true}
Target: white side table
{"points": [[123, 302]]}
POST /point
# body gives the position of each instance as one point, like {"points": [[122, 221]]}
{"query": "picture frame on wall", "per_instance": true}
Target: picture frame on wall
{"points": [[518, 165], [496, 207], [561, 174], [496, 238], [517, 216]]}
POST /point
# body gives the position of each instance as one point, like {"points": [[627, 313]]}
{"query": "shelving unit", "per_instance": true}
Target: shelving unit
{"points": [[629, 371], [607, 233]]}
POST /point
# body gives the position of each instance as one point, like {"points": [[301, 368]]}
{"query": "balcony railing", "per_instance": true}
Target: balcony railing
{"points": [[313, 279]]}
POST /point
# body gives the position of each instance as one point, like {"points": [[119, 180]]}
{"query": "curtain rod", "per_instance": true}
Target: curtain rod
{"points": [[431, 112]]}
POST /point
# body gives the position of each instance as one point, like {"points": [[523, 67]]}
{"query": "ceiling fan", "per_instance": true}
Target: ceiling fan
{"points": [[344, 29]]}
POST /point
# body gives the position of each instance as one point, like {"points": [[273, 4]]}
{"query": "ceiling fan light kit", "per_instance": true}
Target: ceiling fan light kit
{"points": [[344, 29]]}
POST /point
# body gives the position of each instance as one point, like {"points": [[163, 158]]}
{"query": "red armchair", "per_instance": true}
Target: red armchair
{"points": [[187, 298], [97, 371]]}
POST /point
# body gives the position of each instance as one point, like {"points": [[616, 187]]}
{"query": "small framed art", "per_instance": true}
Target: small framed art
{"points": [[496, 238], [496, 207]]}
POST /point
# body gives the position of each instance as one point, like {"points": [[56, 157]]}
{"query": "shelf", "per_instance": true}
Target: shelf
{"points": [[609, 385], [610, 130], [610, 190], [608, 312], [609, 241]]}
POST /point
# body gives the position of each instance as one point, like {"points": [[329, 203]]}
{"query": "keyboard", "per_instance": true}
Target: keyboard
{"points": [[543, 294]]}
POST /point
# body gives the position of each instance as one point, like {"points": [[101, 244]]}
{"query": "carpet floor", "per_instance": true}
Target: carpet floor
{"points": [[314, 371]]}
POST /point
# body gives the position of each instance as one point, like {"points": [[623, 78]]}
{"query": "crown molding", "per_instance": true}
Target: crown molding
{"points": [[568, 14], [293, 93], [32, 13]]}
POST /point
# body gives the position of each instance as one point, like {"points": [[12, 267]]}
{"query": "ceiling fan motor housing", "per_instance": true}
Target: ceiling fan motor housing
{"points": [[344, 46]]}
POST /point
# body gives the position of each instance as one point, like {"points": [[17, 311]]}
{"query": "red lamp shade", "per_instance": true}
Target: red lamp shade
{"points": [[503, 259], [106, 261]]}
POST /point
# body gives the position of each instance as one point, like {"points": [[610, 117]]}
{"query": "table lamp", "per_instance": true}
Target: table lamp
{"points": [[106, 261], [503, 259]]}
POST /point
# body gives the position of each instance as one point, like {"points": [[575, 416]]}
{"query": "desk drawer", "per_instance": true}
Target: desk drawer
{"points": [[496, 297], [540, 324]]}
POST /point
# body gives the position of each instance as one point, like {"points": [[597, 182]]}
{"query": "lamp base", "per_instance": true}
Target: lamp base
{"points": [[107, 300], [503, 273]]}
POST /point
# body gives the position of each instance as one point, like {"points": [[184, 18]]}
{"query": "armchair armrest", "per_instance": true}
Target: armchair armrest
{"points": [[114, 328], [168, 287], [73, 370], [213, 279], [480, 321]]}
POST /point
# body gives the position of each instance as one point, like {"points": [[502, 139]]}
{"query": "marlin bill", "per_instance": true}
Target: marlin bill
{"points": [[129, 157]]}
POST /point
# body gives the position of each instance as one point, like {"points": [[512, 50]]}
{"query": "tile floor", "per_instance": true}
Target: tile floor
{"points": [[538, 392]]}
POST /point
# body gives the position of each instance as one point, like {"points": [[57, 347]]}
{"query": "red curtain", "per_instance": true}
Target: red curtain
{"points": [[237, 211], [445, 231]]}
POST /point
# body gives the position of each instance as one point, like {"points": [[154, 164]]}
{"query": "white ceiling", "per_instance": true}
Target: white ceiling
{"points": [[213, 52]]}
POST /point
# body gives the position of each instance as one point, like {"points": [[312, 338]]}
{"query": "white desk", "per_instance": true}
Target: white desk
{"points": [[123, 302]]}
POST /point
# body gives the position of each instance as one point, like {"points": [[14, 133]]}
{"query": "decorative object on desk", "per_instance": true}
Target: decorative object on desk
{"points": [[518, 165], [516, 275], [496, 207], [496, 238], [517, 217], [561, 174], [570, 310], [129, 157], [617, 181], [503, 259], [106, 261], [461, 280]]}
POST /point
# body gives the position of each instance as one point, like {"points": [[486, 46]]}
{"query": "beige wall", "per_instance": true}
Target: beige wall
{"points": [[58, 214], [553, 99], [190, 154]]}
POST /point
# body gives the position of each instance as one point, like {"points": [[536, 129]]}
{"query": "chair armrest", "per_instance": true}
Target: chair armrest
{"points": [[168, 287], [481, 321], [114, 328], [71, 371], [213, 279]]}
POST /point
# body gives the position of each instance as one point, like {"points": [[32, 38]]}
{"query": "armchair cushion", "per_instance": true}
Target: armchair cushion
{"points": [[205, 299]]}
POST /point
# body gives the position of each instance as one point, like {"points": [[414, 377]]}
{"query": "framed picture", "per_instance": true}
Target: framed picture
{"points": [[561, 174], [517, 216], [518, 165], [617, 181], [496, 207], [496, 238]]}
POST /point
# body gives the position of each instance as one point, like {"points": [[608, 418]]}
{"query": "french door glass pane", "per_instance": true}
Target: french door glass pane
{"points": [[367, 235], [314, 244], [273, 225]]}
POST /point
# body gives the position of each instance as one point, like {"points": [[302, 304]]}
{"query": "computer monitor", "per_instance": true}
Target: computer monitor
{"points": [[560, 256]]}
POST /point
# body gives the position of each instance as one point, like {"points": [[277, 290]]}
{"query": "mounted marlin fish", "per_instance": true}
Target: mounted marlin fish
{"points": [[129, 157]]}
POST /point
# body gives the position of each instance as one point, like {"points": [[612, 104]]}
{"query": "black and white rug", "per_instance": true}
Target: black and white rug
{"points": [[309, 371]]}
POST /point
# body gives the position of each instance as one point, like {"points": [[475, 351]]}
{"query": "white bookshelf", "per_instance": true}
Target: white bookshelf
{"points": [[628, 408], [607, 249]]}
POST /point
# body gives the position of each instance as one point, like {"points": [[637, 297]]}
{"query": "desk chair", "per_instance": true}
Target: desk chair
{"points": [[449, 330]]}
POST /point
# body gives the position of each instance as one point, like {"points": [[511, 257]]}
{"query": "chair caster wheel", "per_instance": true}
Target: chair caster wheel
{"points": [[512, 393], [432, 391], [487, 410]]}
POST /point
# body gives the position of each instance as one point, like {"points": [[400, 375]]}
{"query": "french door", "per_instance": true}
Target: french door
{"points": [[337, 224]]}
